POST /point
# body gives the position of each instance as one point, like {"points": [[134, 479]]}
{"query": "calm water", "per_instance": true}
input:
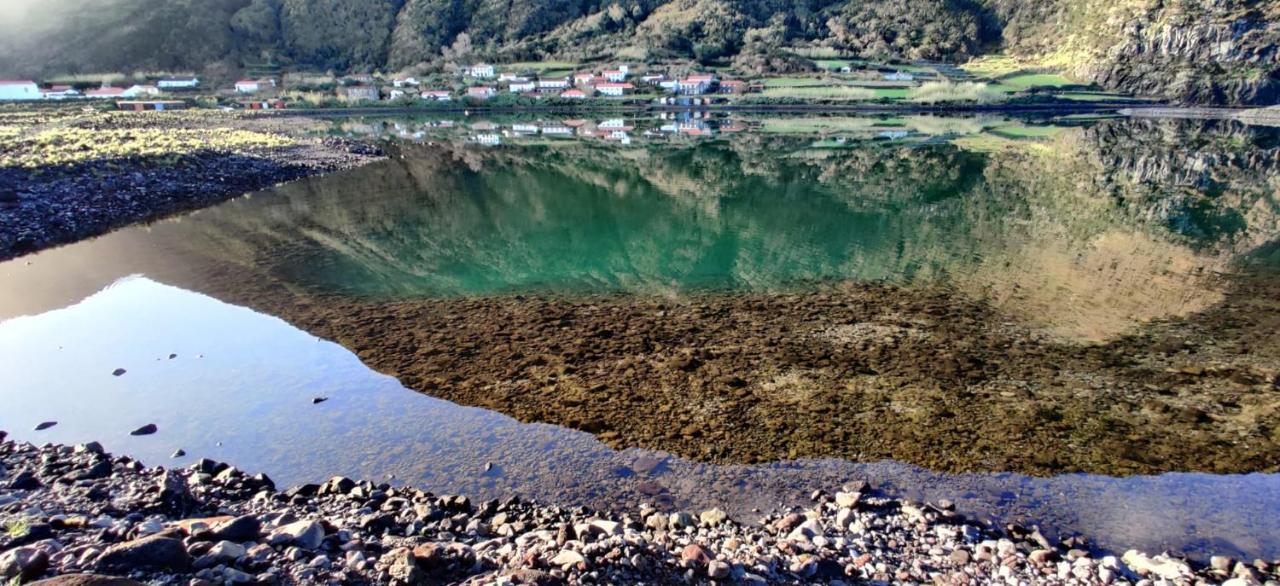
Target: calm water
{"points": [[1083, 230]]}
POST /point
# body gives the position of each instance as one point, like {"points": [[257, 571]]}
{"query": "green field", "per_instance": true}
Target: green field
{"points": [[1027, 80], [1025, 131], [1095, 97], [832, 64], [824, 92]]}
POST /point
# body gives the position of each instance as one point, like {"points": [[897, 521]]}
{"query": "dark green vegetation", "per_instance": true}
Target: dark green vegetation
{"points": [[1223, 52]]}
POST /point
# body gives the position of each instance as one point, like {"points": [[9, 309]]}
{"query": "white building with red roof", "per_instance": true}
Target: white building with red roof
{"points": [[614, 90], [19, 90], [105, 93], [248, 86], [573, 95]]}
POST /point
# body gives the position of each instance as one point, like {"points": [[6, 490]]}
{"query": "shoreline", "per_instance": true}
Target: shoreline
{"points": [[52, 205], [210, 521]]}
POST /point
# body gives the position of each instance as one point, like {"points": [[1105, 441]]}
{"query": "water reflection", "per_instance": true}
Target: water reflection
{"points": [[251, 404]]}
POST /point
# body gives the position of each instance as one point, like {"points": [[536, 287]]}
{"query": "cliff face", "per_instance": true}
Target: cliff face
{"points": [[1205, 52]]}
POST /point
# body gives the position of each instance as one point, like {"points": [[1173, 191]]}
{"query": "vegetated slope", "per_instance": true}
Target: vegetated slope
{"points": [[1197, 51]]}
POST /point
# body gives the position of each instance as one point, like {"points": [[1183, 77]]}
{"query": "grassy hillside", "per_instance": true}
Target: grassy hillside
{"points": [[1221, 52]]}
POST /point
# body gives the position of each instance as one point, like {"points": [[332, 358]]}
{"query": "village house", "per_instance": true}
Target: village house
{"points": [[397, 94], [557, 130], [553, 84], [359, 93], [653, 78], [360, 78], [695, 84], [522, 86], [614, 90], [179, 83], [105, 92], [151, 105], [19, 90], [733, 86], [141, 91], [583, 78], [59, 92], [525, 128], [437, 96], [574, 94], [618, 75], [406, 81], [248, 86], [487, 139], [510, 76], [480, 70], [482, 92]]}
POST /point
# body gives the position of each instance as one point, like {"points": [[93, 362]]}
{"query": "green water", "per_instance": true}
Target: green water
{"points": [[760, 214]]}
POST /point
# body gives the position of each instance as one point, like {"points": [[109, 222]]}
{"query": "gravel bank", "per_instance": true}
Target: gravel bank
{"points": [[116, 169], [78, 510]]}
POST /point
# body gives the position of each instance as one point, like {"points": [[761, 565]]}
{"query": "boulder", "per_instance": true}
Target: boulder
{"points": [[156, 552], [24, 563]]}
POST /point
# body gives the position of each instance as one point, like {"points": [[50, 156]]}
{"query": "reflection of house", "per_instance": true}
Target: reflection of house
{"points": [[899, 76], [359, 93], [179, 83], [480, 70], [614, 90], [695, 84], [482, 92], [437, 96]]}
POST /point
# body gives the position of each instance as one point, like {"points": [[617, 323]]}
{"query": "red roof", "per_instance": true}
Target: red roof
{"points": [[699, 78], [247, 81], [573, 94], [106, 91], [625, 86]]}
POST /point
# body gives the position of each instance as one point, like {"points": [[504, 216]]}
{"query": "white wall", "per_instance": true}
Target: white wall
{"points": [[19, 92]]}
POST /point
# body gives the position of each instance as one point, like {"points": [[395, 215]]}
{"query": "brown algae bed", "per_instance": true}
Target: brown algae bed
{"points": [[857, 372]]}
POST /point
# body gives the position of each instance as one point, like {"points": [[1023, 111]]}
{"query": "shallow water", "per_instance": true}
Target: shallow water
{"points": [[1080, 233]]}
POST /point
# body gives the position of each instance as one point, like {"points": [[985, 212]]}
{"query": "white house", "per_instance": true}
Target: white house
{"points": [[437, 96], [520, 87], [396, 94], [695, 84], [248, 86], [480, 92], [583, 78], [618, 75], [487, 139], [178, 83], [405, 82], [19, 90], [557, 130], [480, 70], [59, 92], [524, 128], [138, 91], [614, 90], [554, 84]]}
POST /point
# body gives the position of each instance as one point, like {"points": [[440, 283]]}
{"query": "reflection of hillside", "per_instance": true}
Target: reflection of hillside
{"points": [[1053, 237]]}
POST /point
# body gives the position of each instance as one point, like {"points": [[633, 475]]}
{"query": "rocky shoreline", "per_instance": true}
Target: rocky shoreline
{"points": [[78, 515], [55, 204]]}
